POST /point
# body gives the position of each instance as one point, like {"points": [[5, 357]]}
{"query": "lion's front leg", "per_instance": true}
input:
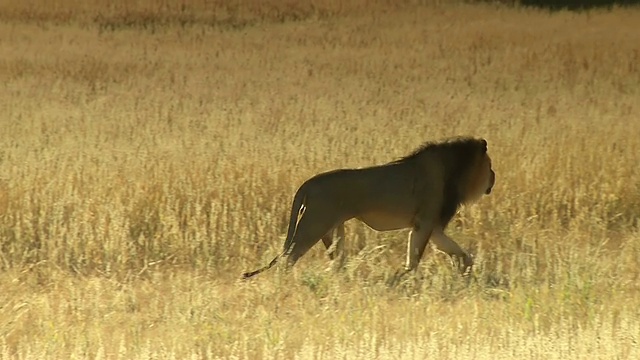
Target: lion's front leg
{"points": [[418, 240], [451, 248]]}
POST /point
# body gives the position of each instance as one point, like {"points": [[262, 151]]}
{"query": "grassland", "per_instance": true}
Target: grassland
{"points": [[149, 152]]}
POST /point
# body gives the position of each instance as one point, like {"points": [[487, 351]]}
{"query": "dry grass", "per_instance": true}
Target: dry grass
{"points": [[146, 161]]}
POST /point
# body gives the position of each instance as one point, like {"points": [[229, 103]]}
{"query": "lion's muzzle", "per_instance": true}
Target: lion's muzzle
{"points": [[492, 181]]}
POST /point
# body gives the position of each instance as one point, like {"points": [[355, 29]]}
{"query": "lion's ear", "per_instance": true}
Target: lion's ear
{"points": [[483, 142]]}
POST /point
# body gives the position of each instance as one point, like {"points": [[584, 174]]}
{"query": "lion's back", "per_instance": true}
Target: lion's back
{"points": [[364, 189]]}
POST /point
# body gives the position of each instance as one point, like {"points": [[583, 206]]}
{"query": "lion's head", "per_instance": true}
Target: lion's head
{"points": [[481, 177]]}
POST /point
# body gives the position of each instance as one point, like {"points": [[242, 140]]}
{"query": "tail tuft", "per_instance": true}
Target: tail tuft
{"points": [[256, 272], [247, 275]]}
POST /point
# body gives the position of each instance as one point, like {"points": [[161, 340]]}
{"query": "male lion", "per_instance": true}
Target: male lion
{"points": [[421, 191]]}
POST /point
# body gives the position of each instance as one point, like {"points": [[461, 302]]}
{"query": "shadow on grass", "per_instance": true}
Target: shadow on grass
{"points": [[448, 285], [557, 5], [577, 5]]}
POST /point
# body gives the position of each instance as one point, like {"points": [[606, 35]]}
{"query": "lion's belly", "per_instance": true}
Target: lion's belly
{"points": [[381, 221]]}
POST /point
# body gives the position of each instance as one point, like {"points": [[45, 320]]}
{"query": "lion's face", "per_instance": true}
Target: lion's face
{"points": [[486, 171], [491, 179], [482, 177]]}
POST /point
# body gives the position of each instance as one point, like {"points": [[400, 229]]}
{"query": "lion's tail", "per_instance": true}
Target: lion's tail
{"points": [[296, 207]]}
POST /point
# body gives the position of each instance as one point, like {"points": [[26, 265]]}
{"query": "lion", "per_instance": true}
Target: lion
{"points": [[421, 191]]}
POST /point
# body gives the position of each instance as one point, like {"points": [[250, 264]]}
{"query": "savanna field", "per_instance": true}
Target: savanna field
{"points": [[150, 150]]}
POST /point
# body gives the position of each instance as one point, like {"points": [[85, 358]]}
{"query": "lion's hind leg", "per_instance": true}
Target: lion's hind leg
{"points": [[309, 231], [333, 241]]}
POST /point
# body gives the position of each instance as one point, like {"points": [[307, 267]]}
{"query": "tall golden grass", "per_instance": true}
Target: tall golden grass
{"points": [[149, 152]]}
